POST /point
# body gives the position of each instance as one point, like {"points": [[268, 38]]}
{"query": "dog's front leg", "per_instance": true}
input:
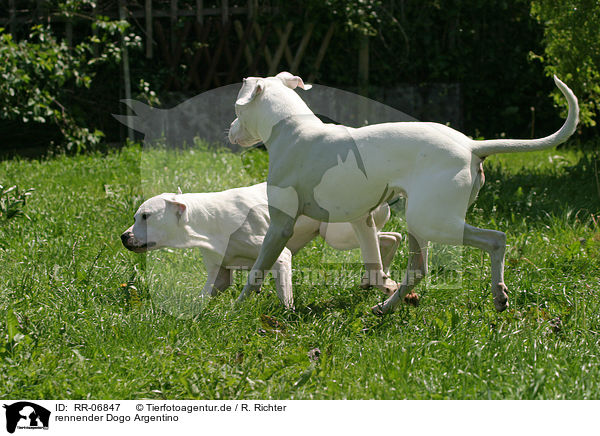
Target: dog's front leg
{"points": [[282, 273], [366, 233], [388, 246], [209, 287], [223, 280], [280, 231]]}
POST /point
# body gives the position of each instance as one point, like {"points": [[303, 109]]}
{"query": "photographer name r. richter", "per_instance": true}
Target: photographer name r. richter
{"points": [[269, 407]]}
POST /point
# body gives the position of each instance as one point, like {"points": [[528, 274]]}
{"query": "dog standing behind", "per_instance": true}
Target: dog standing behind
{"points": [[229, 228]]}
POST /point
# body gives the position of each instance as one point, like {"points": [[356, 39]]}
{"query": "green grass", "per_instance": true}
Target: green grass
{"points": [[80, 316]]}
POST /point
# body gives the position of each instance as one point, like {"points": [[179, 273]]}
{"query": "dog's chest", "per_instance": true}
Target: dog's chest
{"points": [[326, 169]]}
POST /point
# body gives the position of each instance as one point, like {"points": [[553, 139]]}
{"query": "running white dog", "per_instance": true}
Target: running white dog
{"points": [[335, 173], [229, 228]]}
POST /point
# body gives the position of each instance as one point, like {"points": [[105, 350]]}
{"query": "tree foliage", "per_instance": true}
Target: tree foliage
{"points": [[572, 49], [42, 76]]}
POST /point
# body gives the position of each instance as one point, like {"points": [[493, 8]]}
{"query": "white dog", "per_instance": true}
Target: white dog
{"points": [[335, 173], [229, 228]]}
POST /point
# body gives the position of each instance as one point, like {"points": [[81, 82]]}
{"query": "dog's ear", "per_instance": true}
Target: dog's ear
{"points": [[292, 81], [180, 210], [250, 90]]}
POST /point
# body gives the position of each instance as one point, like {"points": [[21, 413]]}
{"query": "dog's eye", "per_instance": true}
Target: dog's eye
{"points": [[144, 216]]}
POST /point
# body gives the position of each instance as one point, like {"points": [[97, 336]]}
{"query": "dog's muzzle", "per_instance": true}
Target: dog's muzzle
{"points": [[132, 244]]}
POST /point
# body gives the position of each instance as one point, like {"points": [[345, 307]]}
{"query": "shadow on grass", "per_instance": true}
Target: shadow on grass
{"points": [[533, 194]]}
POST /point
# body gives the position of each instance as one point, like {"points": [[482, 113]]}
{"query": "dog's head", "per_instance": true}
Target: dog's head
{"points": [[256, 101], [158, 223]]}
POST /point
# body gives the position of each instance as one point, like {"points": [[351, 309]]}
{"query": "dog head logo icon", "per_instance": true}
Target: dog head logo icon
{"points": [[26, 415]]}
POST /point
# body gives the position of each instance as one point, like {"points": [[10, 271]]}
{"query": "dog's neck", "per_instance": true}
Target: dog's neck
{"points": [[279, 105]]}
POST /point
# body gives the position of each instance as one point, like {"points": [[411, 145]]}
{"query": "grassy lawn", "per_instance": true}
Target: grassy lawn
{"points": [[80, 316]]}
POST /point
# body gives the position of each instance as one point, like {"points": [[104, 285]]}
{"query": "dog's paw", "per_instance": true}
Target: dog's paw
{"points": [[377, 310], [389, 286], [501, 297], [380, 281], [364, 284], [412, 299]]}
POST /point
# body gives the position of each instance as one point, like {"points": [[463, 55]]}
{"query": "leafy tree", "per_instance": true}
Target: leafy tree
{"points": [[572, 49]]}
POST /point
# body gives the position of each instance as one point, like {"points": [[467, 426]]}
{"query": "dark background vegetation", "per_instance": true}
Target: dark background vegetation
{"points": [[59, 90]]}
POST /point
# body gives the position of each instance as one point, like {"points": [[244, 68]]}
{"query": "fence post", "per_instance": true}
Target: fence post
{"points": [[363, 79], [149, 36], [250, 10], [224, 11], [126, 75], [95, 48], [363, 66], [39, 11], [173, 25], [200, 11], [69, 31], [12, 18]]}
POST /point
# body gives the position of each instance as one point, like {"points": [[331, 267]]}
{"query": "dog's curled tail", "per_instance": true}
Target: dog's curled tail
{"points": [[493, 146]]}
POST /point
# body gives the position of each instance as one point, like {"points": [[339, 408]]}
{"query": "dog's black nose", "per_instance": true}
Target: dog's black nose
{"points": [[124, 238]]}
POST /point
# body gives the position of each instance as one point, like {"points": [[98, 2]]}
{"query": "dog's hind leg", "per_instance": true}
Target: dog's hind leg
{"points": [[491, 241], [366, 233], [388, 245], [494, 242], [415, 271], [280, 231]]}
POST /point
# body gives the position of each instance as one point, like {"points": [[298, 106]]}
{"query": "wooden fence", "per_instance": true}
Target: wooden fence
{"points": [[218, 45], [194, 45]]}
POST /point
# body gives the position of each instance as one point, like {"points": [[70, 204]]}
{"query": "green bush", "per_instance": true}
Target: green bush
{"points": [[572, 50], [43, 78]]}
